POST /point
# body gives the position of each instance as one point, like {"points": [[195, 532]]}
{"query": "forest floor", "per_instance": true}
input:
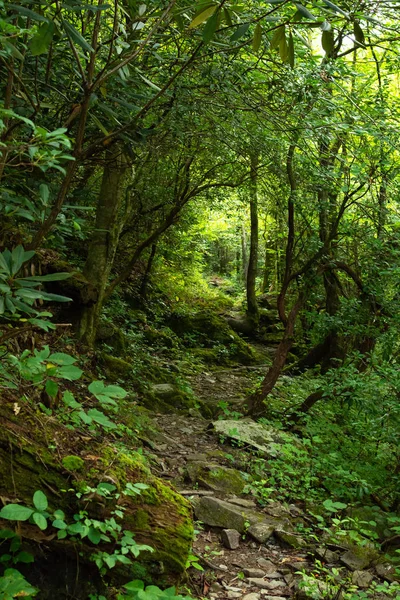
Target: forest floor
{"points": [[185, 448]]}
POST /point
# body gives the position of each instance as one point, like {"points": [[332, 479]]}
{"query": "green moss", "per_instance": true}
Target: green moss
{"points": [[141, 519], [73, 463], [115, 368]]}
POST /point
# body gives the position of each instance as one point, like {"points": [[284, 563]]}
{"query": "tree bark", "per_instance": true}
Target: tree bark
{"points": [[104, 242], [255, 402], [252, 306]]}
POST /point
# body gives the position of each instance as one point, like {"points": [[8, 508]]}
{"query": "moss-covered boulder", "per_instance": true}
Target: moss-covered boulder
{"points": [[113, 337], [158, 516], [115, 368], [216, 477], [161, 338], [208, 330]]}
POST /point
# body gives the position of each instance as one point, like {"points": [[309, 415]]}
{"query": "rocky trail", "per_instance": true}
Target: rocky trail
{"points": [[246, 551]]}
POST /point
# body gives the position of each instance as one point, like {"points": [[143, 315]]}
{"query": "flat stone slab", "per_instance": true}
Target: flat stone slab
{"points": [[254, 572], [218, 513], [355, 562], [267, 566], [264, 439], [265, 584], [362, 579]]}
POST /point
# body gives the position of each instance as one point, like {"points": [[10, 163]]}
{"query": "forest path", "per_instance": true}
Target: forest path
{"points": [[187, 445]]}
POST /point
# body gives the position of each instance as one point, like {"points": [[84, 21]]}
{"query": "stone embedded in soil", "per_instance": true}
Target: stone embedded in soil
{"points": [[326, 555], [216, 587], [261, 532], [230, 538], [264, 439], [266, 585], [266, 565], [241, 502], [233, 595], [386, 571], [216, 477], [362, 578], [218, 513], [355, 562], [288, 538], [254, 572]]}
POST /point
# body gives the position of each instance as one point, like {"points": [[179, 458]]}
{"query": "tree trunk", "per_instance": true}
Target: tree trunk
{"points": [[245, 263], [104, 242], [255, 402], [252, 306], [146, 276]]}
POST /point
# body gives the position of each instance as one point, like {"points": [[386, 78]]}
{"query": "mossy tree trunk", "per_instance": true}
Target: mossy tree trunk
{"points": [[105, 238], [252, 306]]}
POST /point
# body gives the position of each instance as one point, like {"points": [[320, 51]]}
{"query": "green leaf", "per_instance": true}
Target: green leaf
{"points": [[100, 418], [227, 17], [16, 512], [94, 535], [327, 41], [59, 358], [257, 37], [336, 8], [240, 32], [69, 372], [210, 28], [14, 585], [291, 50], [25, 557], [283, 49], [134, 586], [96, 387], [18, 257], [26, 12], [40, 500], [59, 524], [51, 389], [50, 277], [304, 12], [203, 16], [358, 33], [55, 297], [76, 37], [278, 36], [40, 43], [40, 520]]}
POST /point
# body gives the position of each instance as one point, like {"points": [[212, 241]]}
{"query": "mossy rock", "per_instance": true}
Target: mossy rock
{"points": [[115, 368], [164, 397], [216, 477], [207, 330], [113, 336], [159, 517], [161, 338]]}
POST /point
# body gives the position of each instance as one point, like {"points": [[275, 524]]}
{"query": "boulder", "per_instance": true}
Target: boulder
{"points": [[265, 440], [355, 562], [216, 477], [218, 513]]}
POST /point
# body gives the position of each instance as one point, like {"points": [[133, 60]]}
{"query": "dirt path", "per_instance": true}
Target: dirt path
{"points": [[251, 571]]}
